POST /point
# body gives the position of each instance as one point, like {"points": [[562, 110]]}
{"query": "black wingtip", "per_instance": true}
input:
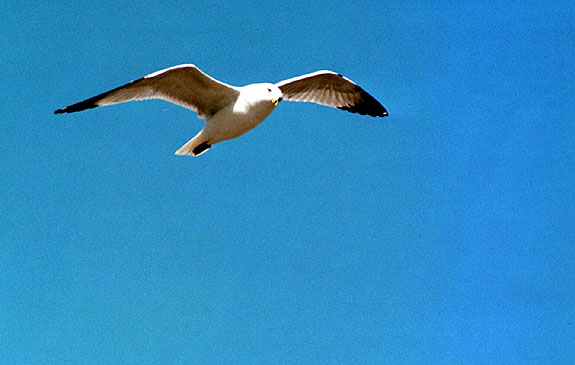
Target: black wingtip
{"points": [[370, 107], [78, 107], [365, 105]]}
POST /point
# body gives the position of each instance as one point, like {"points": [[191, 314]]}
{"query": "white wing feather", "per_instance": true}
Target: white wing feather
{"points": [[184, 85], [331, 89]]}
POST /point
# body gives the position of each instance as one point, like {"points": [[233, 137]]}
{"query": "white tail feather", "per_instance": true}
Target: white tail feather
{"points": [[192, 144]]}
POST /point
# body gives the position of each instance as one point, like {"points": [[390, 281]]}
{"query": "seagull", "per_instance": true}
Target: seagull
{"points": [[231, 111]]}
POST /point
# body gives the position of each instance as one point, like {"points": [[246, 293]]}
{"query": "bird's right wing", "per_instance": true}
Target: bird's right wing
{"points": [[331, 89], [184, 85]]}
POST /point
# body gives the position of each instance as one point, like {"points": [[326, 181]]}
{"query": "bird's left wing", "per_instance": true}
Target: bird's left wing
{"points": [[331, 89], [184, 85]]}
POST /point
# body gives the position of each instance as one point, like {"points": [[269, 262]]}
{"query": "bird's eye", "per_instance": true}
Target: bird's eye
{"points": [[269, 90]]}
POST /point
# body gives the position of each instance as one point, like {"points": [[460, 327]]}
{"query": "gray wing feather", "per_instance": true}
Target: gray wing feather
{"points": [[184, 85], [331, 89]]}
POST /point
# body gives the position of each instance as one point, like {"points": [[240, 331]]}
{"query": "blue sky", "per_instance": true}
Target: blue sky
{"points": [[441, 234]]}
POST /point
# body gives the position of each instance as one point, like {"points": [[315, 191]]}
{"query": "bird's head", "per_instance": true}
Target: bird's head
{"points": [[275, 93], [270, 92], [263, 97]]}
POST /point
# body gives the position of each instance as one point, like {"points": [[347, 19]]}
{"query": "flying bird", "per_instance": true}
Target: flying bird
{"points": [[231, 111]]}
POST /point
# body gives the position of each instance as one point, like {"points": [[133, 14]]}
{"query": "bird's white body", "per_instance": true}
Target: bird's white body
{"points": [[251, 108], [231, 111]]}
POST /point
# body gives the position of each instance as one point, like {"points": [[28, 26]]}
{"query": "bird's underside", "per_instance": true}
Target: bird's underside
{"points": [[230, 111]]}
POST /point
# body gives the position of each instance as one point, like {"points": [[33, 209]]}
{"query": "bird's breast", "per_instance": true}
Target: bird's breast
{"points": [[235, 120]]}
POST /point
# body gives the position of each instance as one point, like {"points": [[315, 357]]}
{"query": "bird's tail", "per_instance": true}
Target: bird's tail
{"points": [[195, 146]]}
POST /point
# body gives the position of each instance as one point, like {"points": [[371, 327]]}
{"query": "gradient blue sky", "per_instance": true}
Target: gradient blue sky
{"points": [[442, 234]]}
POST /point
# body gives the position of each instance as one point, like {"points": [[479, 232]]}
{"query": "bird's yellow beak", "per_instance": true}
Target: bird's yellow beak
{"points": [[275, 102]]}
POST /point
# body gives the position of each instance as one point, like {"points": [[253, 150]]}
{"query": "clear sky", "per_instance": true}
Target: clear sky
{"points": [[441, 234]]}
